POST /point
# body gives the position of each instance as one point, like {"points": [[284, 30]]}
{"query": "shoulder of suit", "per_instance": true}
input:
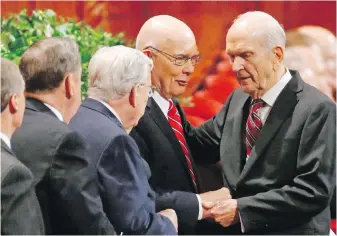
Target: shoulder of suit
{"points": [[43, 121], [313, 97], [9, 162]]}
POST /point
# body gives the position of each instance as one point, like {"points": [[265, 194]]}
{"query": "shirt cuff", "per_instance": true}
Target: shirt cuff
{"points": [[200, 207], [242, 226]]}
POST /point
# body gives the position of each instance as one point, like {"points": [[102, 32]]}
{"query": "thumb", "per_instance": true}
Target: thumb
{"points": [[208, 205]]}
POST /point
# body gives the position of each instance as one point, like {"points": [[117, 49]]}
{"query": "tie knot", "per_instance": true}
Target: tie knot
{"points": [[170, 104], [256, 104]]}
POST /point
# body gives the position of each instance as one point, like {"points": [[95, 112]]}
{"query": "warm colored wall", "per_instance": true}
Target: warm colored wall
{"points": [[209, 20]]}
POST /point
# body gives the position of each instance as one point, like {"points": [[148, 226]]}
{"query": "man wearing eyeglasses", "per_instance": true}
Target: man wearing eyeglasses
{"points": [[171, 44]]}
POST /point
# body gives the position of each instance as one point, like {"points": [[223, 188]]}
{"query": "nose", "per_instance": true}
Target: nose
{"points": [[188, 67], [237, 64]]}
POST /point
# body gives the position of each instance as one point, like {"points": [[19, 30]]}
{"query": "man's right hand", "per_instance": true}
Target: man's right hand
{"points": [[209, 199], [171, 214]]}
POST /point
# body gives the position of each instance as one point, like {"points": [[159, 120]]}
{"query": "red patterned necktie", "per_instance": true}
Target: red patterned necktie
{"points": [[175, 122], [253, 125]]}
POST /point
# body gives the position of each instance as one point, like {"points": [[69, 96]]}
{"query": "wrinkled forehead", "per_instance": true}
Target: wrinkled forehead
{"points": [[242, 39], [182, 43]]}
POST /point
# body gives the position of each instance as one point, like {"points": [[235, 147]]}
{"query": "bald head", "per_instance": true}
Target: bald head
{"points": [[260, 24], [161, 30]]}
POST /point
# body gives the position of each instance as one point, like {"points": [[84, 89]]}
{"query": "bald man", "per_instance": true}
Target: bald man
{"points": [[275, 137], [171, 44]]}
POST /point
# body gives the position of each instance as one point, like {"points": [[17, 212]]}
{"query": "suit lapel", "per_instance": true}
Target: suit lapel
{"points": [[159, 118], [283, 106], [232, 144]]}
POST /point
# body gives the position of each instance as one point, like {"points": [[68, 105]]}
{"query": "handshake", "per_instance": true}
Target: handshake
{"points": [[217, 205], [220, 206]]}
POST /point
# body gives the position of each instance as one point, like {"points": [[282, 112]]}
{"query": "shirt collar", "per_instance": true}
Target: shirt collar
{"points": [[161, 102], [55, 111], [271, 95], [6, 139], [110, 109]]}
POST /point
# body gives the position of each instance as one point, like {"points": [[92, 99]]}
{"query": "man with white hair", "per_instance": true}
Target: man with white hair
{"points": [[171, 45], [119, 87], [275, 136], [20, 209]]}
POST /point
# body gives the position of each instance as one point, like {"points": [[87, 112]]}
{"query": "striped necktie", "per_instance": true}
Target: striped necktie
{"points": [[175, 122], [253, 125]]}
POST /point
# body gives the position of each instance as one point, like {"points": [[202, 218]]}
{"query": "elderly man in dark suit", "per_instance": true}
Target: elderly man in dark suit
{"points": [[65, 183], [275, 136], [20, 209], [171, 44], [118, 91]]}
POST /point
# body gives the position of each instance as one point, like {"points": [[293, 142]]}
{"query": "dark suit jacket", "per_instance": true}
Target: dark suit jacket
{"points": [[65, 183], [162, 151], [124, 175], [286, 184], [20, 209]]}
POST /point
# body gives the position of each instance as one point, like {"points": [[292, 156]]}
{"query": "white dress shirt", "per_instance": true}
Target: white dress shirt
{"points": [[55, 111], [164, 107], [271, 95], [6, 139]]}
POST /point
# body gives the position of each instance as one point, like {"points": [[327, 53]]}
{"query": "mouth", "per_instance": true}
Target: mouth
{"points": [[182, 82], [243, 77]]}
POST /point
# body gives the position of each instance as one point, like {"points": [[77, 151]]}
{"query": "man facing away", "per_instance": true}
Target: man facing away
{"points": [[20, 209], [119, 86], [66, 184]]}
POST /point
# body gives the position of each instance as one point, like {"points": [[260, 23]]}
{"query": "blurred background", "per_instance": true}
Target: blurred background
{"points": [[310, 27], [312, 50]]}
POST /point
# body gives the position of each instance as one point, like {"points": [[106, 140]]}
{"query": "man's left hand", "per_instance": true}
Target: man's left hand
{"points": [[226, 212]]}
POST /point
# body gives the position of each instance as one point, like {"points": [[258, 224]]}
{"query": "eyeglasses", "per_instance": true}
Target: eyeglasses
{"points": [[152, 88], [180, 60]]}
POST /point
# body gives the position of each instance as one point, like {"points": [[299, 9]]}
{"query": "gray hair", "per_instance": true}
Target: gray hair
{"points": [[113, 71], [11, 82], [271, 28], [45, 63]]}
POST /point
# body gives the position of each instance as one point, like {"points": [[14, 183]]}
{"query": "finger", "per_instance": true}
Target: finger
{"points": [[208, 205]]}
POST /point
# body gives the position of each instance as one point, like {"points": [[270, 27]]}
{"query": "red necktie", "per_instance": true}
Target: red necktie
{"points": [[253, 125], [175, 122]]}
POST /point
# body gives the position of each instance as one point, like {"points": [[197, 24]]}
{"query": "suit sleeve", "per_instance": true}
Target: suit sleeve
{"points": [[126, 191], [76, 187], [185, 204], [204, 141], [20, 209], [311, 189]]}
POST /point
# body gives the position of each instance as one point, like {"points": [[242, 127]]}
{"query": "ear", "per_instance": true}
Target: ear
{"points": [[69, 85], [278, 54], [13, 104], [133, 96], [148, 53]]}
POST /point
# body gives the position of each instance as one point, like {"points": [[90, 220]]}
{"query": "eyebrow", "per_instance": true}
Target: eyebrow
{"points": [[185, 55], [241, 51]]}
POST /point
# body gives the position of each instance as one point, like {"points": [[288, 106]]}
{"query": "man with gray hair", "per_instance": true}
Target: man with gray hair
{"points": [[20, 209], [65, 182], [275, 137], [119, 87]]}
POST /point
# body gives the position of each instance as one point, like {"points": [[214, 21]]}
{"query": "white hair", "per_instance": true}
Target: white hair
{"points": [[113, 71], [270, 27]]}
